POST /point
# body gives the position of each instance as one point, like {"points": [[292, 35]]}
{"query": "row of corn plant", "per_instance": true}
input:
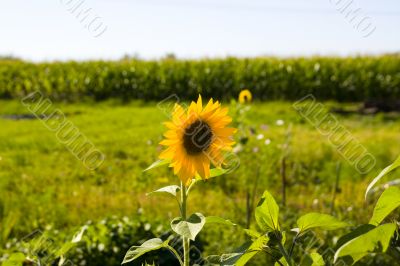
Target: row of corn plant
{"points": [[327, 78]]}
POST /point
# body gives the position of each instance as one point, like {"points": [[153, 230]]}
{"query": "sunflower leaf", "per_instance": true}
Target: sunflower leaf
{"points": [[229, 259], [189, 228], [319, 220], [384, 172], [213, 173], [136, 251], [218, 220], [252, 233], [314, 259], [267, 213], [282, 261], [253, 249], [388, 201], [157, 164], [173, 190], [374, 241], [217, 172], [16, 259], [358, 231]]}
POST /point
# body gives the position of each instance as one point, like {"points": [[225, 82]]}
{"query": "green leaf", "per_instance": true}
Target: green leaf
{"points": [[267, 213], [228, 259], [314, 259], [214, 173], [317, 259], [283, 238], [217, 172], [213, 260], [157, 164], [388, 201], [376, 240], [252, 233], [384, 172], [189, 228], [173, 190], [78, 236], [137, 251], [319, 220], [16, 259], [225, 259], [253, 249], [68, 245], [218, 220], [282, 262], [360, 230], [64, 249]]}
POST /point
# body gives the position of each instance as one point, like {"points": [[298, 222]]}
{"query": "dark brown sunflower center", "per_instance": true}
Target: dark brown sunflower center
{"points": [[197, 137]]}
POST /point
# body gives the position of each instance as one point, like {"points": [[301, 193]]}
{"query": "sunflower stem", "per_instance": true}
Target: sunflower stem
{"points": [[176, 254], [185, 240], [190, 186], [284, 253]]}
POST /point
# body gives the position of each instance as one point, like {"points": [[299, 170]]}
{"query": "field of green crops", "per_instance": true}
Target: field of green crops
{"points": [[327, 78], [44, 187]]}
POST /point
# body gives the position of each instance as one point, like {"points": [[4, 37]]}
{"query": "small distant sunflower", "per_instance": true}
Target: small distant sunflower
{"points": [[245, 96], [197, 138]]}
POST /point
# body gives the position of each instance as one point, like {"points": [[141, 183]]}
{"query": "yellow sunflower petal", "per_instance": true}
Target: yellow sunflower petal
{"points": [[199, 104], [191, 155]]}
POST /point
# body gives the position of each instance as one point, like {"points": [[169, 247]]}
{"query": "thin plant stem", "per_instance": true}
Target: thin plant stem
{"points": [[185, 240], [251, 199], [277, 261], [286, 152], [336, 186], [274, 258], [248, 208], [293, 244], [176, 254], [284, 182], [190, 186], [284, 253]]}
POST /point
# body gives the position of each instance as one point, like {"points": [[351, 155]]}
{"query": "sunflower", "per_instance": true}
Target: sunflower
{"points": [[197, 138], [245, 96]]}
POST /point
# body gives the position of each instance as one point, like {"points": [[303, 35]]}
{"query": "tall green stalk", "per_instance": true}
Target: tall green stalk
{"points": [[185, 240], [284, 253]]}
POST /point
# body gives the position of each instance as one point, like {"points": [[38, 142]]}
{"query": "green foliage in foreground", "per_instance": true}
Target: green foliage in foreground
{"points": [[96, 243], [45, 186], [342, 79], [272, 239], [367, 239]]}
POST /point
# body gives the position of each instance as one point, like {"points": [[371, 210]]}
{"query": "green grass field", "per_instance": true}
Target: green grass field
{"points": [[45, 186]]}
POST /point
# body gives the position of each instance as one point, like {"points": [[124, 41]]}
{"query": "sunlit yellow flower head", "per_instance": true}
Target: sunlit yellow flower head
{"points": [[245, 96], [197, 138]]}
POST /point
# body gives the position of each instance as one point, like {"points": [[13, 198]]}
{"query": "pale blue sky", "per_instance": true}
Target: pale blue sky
{"points": [[46, 30]]}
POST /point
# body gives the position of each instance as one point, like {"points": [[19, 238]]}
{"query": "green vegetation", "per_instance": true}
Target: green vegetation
{"points": [[340, 79], [43, 186]]}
